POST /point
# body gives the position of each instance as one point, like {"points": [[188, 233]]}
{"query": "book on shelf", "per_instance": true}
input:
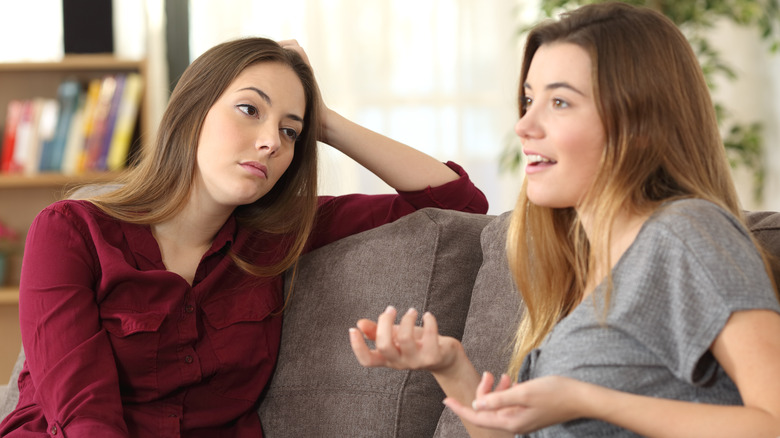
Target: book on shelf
{"points": [[126, 118], [53, 150], [93, 145], [35, 126], [12, 116], [85, 129]]}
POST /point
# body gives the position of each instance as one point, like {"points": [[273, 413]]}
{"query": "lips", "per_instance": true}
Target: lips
{"points": [[255, 168]]}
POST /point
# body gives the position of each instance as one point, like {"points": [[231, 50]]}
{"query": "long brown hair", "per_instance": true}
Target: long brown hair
{"points": [[662, 143], [159, 185]]}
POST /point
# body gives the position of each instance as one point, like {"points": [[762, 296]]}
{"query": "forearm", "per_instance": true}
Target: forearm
{"points": [[400, 166], [460, 382], [655, 417]]}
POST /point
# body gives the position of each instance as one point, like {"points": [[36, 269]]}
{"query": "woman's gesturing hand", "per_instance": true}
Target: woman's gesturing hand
{"points": [[404, 345], [523, 407]]}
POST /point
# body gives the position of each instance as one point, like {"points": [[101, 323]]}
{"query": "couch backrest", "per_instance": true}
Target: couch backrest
{"points": [[765, 226], [427, 260]]}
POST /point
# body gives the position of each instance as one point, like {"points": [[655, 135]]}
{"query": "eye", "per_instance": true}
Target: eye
{"points": [[560, 103], [290, 134], [247, 109], [526, 103]]}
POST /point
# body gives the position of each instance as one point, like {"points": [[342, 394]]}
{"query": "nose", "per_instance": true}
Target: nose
{"points": [[268, 139], [527, 126]]}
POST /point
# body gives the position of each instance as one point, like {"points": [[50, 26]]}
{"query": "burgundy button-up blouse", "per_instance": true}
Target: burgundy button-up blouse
{"points": [[117, 346]]}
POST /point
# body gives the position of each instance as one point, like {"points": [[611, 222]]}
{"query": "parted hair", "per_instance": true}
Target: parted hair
{"points": [[662, 143], [158, 186]]}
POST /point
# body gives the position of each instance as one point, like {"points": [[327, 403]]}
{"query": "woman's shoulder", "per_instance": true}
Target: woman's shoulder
{"points": [[694, 216], [73, 207], [73, 211]]}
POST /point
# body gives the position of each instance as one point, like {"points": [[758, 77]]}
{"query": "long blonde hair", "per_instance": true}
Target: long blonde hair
{"points": [[662, 143], [159, 185]]}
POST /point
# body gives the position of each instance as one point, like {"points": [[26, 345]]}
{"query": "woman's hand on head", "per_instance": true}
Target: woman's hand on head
{"points": [[295, 47], [523, 407], [402, 346]]}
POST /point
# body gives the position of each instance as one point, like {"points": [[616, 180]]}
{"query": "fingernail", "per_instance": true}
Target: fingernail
{"points": [[478, 404], [411, 310], [389, 308]]}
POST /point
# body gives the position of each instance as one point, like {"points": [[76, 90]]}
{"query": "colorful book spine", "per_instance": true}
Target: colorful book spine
{"points": [[90, 107], [54, 150], [110, 123], [12, 116], [94, 141], [125, 122]]}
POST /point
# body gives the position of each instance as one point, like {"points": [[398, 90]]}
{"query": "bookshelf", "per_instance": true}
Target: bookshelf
{"points": [[22, 196]]}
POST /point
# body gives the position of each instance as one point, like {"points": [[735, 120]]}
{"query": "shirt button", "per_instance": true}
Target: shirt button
{"points": [[189, 308], [188, 359], [54, 430]]}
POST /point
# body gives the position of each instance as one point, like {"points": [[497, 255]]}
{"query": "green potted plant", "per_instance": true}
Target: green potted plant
{"points": [[744, 142]]}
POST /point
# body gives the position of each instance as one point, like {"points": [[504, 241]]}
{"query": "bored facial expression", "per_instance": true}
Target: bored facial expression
{"points": [[248, 136], [561, 131]]}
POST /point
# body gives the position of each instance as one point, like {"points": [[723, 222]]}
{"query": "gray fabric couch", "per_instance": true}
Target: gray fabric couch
{"points": [[449, 263]]}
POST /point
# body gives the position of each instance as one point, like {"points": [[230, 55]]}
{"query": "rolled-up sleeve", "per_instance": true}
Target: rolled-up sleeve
{"points": [[342, 216]]}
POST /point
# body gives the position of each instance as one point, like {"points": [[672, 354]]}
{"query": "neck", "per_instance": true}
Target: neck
{"points": [[193, 227], [622, 233]]}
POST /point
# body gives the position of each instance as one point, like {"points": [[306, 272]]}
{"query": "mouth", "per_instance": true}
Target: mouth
{"points": [[535, 160], [255, 168]]}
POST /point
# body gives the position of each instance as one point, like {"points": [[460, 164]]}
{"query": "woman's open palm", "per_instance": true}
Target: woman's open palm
{"points": [[402, 346]]}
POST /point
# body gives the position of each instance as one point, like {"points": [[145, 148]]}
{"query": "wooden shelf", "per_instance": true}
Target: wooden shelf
{"points": [[9, 296], [74, 63], [52, 180]]}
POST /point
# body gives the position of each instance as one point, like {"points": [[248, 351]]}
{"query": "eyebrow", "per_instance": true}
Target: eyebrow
{"points": [[556, 85], [267, 100]]}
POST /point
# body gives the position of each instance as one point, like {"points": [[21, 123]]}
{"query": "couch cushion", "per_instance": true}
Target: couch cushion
{"points": [[494, 314], [10, 395], [427, 260]]}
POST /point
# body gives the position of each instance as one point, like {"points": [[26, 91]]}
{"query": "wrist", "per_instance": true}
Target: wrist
{"points": [[453, 355], [328, 125], [593, 401]]}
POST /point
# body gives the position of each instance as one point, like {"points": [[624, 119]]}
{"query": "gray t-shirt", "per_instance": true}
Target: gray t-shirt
{"points": [[690, 267]]}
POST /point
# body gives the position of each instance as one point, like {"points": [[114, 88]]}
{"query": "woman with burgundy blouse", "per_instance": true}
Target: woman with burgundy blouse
{"points": [[154, 309]]}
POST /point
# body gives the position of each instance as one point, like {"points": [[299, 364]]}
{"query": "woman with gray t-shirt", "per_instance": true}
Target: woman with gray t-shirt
{"points": [[649, 308]]}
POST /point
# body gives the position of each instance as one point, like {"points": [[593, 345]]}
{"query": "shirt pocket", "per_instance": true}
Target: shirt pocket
{"points": [[244, 329], [135, 340]]}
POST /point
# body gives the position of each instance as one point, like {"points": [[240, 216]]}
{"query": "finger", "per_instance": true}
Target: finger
{"points": [[483, 388], [503, 383], [429, 338], [295, 47], [288, 42], [515, 395], [485, 384], [368, 328], [364, 355], [405, 338], [385, 343]]}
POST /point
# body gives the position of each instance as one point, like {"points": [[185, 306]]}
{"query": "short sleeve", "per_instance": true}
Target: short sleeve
{"points": [[692, 268]]}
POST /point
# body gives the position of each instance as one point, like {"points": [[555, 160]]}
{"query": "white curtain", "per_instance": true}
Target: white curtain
{"points": [[439, 75]]}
